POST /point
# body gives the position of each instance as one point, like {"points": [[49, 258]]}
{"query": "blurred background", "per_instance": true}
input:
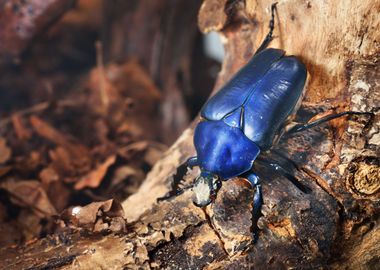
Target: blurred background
{"points": [[92, 93]]}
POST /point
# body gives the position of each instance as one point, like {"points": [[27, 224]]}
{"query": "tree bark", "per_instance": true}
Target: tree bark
{"points": [[335, 226]]}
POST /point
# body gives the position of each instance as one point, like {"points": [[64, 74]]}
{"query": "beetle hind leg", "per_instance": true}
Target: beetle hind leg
{"points": [[178, 178], [271, 164], [257, 203], [304, 126]]}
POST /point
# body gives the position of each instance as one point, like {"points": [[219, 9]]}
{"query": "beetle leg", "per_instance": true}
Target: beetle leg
{"points": [[281, 170], [178, 178], [192, 162], [301, 127], [269, 36], [257, 202]]}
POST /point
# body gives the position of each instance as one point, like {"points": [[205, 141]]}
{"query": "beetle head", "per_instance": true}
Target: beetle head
{"points": [[205, 188]]}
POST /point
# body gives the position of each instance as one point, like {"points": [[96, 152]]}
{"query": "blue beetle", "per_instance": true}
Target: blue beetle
{"points": [[244, 118]]}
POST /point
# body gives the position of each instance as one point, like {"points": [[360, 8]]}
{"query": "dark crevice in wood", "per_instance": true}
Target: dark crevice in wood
{"points": [[209, 222], [55, 263]]}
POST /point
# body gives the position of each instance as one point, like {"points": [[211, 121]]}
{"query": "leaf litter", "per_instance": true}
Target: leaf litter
{"points": [[68, 140]]}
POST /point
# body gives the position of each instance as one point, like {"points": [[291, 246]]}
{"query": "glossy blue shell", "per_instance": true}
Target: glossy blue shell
{"points": [[223, 150], [246, 114]]}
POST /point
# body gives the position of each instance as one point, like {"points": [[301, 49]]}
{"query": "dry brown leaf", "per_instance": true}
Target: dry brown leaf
{"points": [[45, 130], [103, 91], [5, 151], [48, 175], [133, 73], [5, 170], [30, 194], [127, 151], [79, 154], [29, 223], [96, 216], [29, 162], [10, 234], [61, 161], [132, 96], [95, 177], [22, 132], [59, 194], [55, 188]]}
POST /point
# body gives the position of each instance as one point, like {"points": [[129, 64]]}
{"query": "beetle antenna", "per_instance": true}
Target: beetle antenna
{"points": [[269, 36]]}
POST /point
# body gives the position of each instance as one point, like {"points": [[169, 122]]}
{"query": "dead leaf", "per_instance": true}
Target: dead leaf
{"points": [[59, 194], [5, 170], [22, 132], [127, 151], [55, 188], [133, 73], [96, 216], [5, 151], [61, 161], [30, 194], [103, 91], [132, 96], [79, 154], [45, 130], [27, 163], [48, 175], [29, 223], [10, 234], [95, 177]]}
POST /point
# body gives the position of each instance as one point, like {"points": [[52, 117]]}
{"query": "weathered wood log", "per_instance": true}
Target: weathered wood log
{"points": [[21, 21], [334, 226]]}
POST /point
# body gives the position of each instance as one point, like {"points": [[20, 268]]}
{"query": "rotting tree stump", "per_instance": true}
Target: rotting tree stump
{"points": [[334, 226]]}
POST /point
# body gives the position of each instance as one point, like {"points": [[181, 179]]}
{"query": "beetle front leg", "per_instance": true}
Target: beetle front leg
{"points": [[257, 202], [192, 162], [178, 178]]}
